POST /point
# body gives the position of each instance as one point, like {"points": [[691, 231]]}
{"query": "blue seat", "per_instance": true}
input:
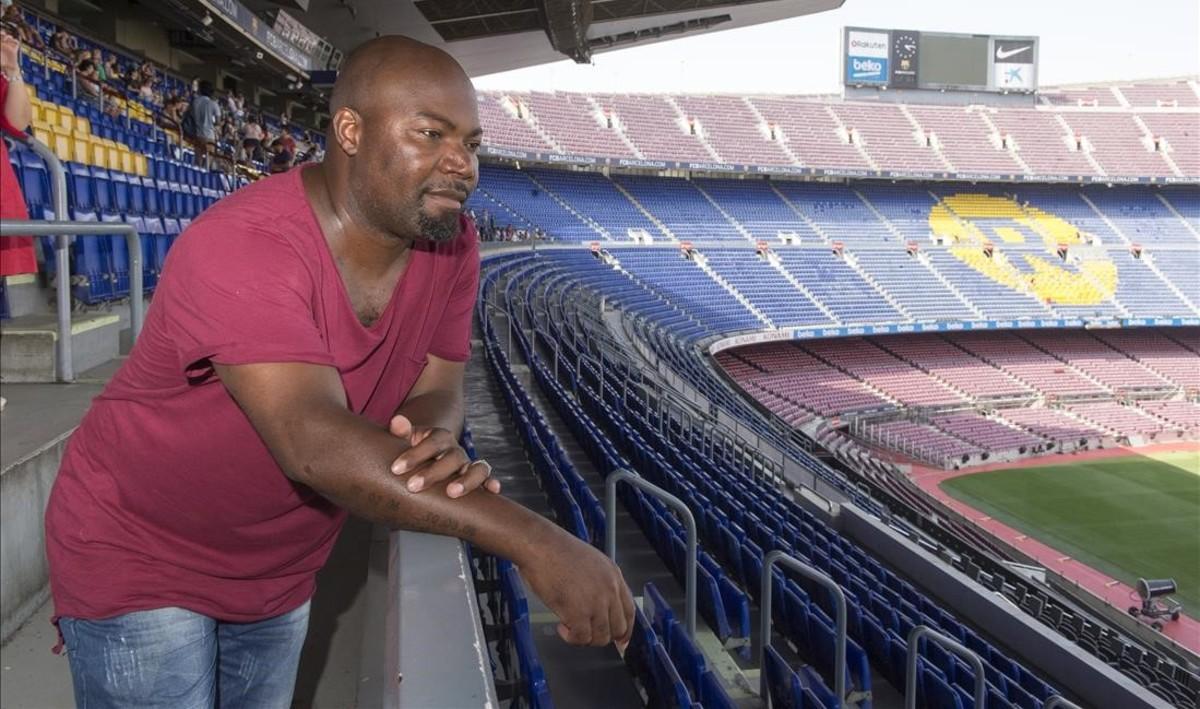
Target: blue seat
{"points": [[150, 198], [672, 692], [121, 198], [533, 678], [713, 694], [80, 193], [118, 249], [933, 691], [783, 685], [91, 262], [686, 656], [35, 182], [102, 190]]}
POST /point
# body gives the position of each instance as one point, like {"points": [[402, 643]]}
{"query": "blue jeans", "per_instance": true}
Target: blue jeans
{"points": [[178, 659]]}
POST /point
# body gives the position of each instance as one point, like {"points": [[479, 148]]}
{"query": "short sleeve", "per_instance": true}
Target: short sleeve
{"points": [[234, 295], [452, 338]]}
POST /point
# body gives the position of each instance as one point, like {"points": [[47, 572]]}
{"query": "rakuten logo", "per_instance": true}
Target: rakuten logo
{"points": [[867, 44], [861, 45]]}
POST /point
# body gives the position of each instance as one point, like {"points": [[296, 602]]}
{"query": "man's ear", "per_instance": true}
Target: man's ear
{"points": [[347, 129]]}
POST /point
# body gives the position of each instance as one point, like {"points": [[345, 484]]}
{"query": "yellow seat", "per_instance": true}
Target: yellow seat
{"points": [[50, 114], [43, 134], [98, 152], [79, 150], [82, 125], [66, 119], [61, 144], [140, 164], [114, 154], [126, 161]]}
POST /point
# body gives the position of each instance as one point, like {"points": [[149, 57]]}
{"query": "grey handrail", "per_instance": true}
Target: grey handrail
{"points": [[1058, 701], [62, 257], [839, 653], [610, 531], [910, 684], [63, 229]]}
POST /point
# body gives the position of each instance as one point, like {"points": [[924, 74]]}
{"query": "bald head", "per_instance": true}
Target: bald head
{"points": [[385, 65], [404, 135]]}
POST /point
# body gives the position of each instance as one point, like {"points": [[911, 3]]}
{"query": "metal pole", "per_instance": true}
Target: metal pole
{"points": [[610, 531], [1058, 701], [839, 652], [62, 258], [910, 683], [12, 227]]}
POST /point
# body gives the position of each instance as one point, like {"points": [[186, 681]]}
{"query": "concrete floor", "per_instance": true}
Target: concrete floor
{"points": [[38, 413]]}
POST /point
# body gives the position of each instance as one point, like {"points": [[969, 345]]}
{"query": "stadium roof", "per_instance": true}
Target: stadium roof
{"points": [[488, 36]]}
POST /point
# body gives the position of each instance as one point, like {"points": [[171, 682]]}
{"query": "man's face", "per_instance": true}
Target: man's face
{"points": [[418, 162]]}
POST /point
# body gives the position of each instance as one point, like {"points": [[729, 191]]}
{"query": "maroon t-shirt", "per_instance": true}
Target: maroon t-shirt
{"points": [[167, 496]]}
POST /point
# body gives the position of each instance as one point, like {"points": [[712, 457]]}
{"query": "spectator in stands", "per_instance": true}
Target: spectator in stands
{"points": [[252, 139], [235, 105], [304, 360], [63, 42], [113, 111], [25, 33], [16, 253], [200, 120], [97, 58], [281, 158], [112, 69], [172, 114], [87, 79]]}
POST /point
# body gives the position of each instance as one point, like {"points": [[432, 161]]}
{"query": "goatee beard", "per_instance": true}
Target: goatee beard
{"points": [[438, 230]]}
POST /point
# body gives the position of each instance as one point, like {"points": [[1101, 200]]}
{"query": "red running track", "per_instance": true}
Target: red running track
{"points": [[1185, 631]]}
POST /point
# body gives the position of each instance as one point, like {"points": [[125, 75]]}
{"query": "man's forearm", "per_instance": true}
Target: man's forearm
{"points": [[348, 461]]}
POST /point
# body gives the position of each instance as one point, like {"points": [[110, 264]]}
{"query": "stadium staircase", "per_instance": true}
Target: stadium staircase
{"points": [[850, 134], [702, 263], [653, 219], [777, 264]]}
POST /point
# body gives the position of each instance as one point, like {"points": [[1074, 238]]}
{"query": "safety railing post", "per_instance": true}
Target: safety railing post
{"points": [[62, 230], [839, 652], [689, 520], [64, 368], [910, 675], [1058, 701]]}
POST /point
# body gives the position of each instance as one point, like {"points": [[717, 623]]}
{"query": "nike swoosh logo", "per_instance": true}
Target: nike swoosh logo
{"points": [[1006, 53]]}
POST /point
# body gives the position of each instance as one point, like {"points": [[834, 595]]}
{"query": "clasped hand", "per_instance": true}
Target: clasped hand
{"points": [[434, 456]]}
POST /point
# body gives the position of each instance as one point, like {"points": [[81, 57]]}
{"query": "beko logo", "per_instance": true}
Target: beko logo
{"points": [[864, 68]]}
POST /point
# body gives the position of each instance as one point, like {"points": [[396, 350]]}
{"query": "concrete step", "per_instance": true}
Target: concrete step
{"points": [[26, 296], [27, 344], [34, 428]]}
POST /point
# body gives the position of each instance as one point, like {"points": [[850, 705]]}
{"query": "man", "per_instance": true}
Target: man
{"points": [[208, 482], [200, 121]]}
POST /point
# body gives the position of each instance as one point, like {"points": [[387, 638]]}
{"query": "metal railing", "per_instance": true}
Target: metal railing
{"points": [[62, 230], [610, 531], [839, 652], [910, 682]]}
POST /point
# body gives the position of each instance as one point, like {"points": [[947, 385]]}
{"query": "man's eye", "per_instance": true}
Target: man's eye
{"points": [[430, 133]]}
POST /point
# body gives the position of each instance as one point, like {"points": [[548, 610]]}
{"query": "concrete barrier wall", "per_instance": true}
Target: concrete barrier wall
{"points": [[24, 573]]}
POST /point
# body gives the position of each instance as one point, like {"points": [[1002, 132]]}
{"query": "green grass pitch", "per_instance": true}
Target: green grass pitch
{"points": [[1127, 517]]}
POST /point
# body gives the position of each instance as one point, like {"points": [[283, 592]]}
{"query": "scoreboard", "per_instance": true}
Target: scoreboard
{"points": [[911, 59]]}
